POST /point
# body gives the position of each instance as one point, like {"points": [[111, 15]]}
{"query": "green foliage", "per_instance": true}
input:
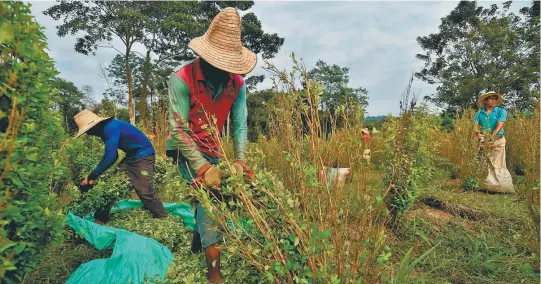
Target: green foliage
{"points": [[337, 94], [471, 183], [29, 219], [71, 101], [260, 104], [109, 189], [61, 260], [411, 141], [479, 49], [169, 231], [82, 155], [164, 28], [168, 182]]}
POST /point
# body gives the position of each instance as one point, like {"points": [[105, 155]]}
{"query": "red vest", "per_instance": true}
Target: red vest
{"points": [[203, 108]]}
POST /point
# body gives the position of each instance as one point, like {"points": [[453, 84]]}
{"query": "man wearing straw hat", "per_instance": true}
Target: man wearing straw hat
{"points": [[202, 93], [491, 119], [139, 160]]}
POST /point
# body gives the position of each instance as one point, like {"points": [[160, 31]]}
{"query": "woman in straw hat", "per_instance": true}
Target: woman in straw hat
{"points": [[491, 119], [139, 160], [202, 93]]}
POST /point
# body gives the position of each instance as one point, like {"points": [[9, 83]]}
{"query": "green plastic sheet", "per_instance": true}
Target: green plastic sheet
{"points": [[134, 257]]}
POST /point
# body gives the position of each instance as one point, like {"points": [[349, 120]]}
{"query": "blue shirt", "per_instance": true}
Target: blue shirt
{"points": [[118, 134], [489, 122]]}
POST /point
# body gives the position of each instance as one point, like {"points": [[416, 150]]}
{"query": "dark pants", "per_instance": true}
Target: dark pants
{"points": [[140, 172]]}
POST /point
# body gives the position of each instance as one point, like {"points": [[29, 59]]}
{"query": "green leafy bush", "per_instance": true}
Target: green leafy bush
{"points": [[410, 146], [31, 134], [471, 183], [110, 188], [82, 156], [168, 182]]}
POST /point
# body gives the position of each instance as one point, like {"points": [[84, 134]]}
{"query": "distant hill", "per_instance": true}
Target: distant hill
{"points": [[374, 118]]}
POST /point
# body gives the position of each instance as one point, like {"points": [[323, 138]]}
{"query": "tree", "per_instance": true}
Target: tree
{"points": [[479, 49], [337, 95], [99, 21], [191, 19], [88, 94], [260, 105], [72, 102], [335, 80], [165, 29], [109, 108]]}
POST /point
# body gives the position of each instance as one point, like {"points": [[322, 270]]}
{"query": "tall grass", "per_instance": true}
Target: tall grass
{"points": [[522, 135], [460, 148]]}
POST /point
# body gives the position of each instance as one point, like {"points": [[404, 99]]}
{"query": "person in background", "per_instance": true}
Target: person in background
{"points": [[139, 159], [366, 142], [202, 93], [488, 127]]}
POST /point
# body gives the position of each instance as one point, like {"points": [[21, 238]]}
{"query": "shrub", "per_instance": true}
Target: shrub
{"points": [[31, 135], [110, 188], [410, 145]]}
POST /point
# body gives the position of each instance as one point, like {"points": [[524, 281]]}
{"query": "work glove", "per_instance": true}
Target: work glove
{"points": [[209, 175], [239, 167]]}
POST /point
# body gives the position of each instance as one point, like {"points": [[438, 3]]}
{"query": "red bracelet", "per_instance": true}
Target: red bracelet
{"points": [[203, 169]]}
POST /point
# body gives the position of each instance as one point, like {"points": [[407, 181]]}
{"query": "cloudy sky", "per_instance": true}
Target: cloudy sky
{"points": [[376, 40]]}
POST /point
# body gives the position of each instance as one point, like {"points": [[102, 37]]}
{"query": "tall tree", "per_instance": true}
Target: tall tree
{"points": [[164, 28], [260, 104], [88, 93], [335, 80], [479, 49], [72, 101], [100, 22], [191, 19]]}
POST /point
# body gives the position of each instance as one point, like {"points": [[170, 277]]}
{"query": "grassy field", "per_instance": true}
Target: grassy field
{"points": [[484, 247], [402, 218]]}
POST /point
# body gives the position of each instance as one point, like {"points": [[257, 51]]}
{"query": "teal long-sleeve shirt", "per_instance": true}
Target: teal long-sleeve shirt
{"points": [[179, 93]]}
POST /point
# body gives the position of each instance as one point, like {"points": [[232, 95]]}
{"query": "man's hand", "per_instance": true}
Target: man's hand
{"points": [[87, 182], [237, 169], [479, 136], [210, 176]]}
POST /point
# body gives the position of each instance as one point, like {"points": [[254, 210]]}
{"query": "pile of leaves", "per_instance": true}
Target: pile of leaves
{"points": [[169, 231], [186, 267]]}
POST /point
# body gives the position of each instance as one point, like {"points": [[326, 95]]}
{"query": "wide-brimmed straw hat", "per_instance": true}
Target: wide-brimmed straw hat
{"points": [[221, 45], [489, 94], [85, 120]]}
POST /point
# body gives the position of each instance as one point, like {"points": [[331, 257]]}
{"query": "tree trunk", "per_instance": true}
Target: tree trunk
{"points": [[67, 124], [131, 106], [143, 99]]}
